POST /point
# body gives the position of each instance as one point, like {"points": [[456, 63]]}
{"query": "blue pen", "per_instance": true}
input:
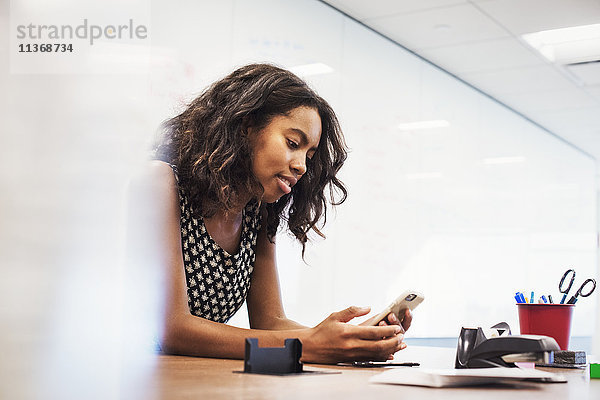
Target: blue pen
{"points": [[517, 298], [531, 298], [522, 298], [544, 299]]}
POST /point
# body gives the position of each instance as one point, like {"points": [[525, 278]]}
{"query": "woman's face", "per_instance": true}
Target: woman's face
{"points": [[280, 150]]}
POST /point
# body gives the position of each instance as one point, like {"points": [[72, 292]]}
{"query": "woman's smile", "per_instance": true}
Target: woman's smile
{"points": [[286, 183]]}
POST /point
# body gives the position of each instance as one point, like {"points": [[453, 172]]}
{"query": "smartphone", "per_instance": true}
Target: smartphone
{"points": [[409, 299]]}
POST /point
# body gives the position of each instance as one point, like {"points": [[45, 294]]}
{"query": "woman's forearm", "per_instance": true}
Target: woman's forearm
{"points": [[333, 340]]}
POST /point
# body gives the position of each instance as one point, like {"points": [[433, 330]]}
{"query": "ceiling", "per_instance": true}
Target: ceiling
{"points": [[479, 41]]}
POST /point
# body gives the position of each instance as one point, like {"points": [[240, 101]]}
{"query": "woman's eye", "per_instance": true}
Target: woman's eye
{"points": [[292, 144]]}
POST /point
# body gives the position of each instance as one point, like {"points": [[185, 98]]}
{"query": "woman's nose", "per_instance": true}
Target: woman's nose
{"points": [[299, 166]]}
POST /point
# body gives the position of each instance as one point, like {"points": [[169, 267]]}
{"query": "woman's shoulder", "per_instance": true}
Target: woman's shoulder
{"points": [[161, 171], [155, 177]]}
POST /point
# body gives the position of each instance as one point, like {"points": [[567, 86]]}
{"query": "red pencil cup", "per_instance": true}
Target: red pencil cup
{"points": [[552, 320]]}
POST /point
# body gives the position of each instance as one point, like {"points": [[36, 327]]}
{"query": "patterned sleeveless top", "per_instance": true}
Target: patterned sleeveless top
{"points": [[217, 282]]}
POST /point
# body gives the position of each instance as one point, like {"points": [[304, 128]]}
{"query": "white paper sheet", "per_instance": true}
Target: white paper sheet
{"points": [[462, 377]]}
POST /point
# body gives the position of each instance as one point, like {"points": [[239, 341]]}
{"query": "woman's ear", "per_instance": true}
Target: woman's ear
{"points": [[247, 127]]}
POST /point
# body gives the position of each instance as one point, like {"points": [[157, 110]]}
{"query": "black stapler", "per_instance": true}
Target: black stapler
{"points": [[475, 350]]}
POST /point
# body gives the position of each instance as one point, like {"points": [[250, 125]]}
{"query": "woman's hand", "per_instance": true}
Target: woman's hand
{"points": [[334, 340], [392, 319]]}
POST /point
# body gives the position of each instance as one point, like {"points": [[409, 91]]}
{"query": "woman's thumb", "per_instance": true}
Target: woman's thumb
{"points": [[351, 312]]}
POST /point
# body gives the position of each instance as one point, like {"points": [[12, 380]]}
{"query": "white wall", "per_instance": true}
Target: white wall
{"points": [[469, 238]]}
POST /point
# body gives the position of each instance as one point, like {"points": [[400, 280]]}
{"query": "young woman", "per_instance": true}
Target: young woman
{"points": [[256, 148]]}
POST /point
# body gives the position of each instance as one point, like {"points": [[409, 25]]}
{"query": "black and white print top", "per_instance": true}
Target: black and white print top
{"points": [[217, 282]]}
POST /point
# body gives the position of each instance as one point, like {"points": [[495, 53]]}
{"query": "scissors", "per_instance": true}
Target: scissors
{"points": [[588, 282]]}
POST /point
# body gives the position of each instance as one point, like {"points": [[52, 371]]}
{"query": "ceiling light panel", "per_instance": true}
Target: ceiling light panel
{"points": [[567, 45]]}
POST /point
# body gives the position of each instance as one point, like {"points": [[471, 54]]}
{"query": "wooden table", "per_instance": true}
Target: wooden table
{"points": [[177, 377]]}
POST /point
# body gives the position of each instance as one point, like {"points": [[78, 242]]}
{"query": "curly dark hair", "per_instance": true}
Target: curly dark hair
{"points": [[209, 145]]}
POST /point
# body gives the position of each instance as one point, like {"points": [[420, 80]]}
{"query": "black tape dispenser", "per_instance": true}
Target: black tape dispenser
{"points": [[501, 349]]}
